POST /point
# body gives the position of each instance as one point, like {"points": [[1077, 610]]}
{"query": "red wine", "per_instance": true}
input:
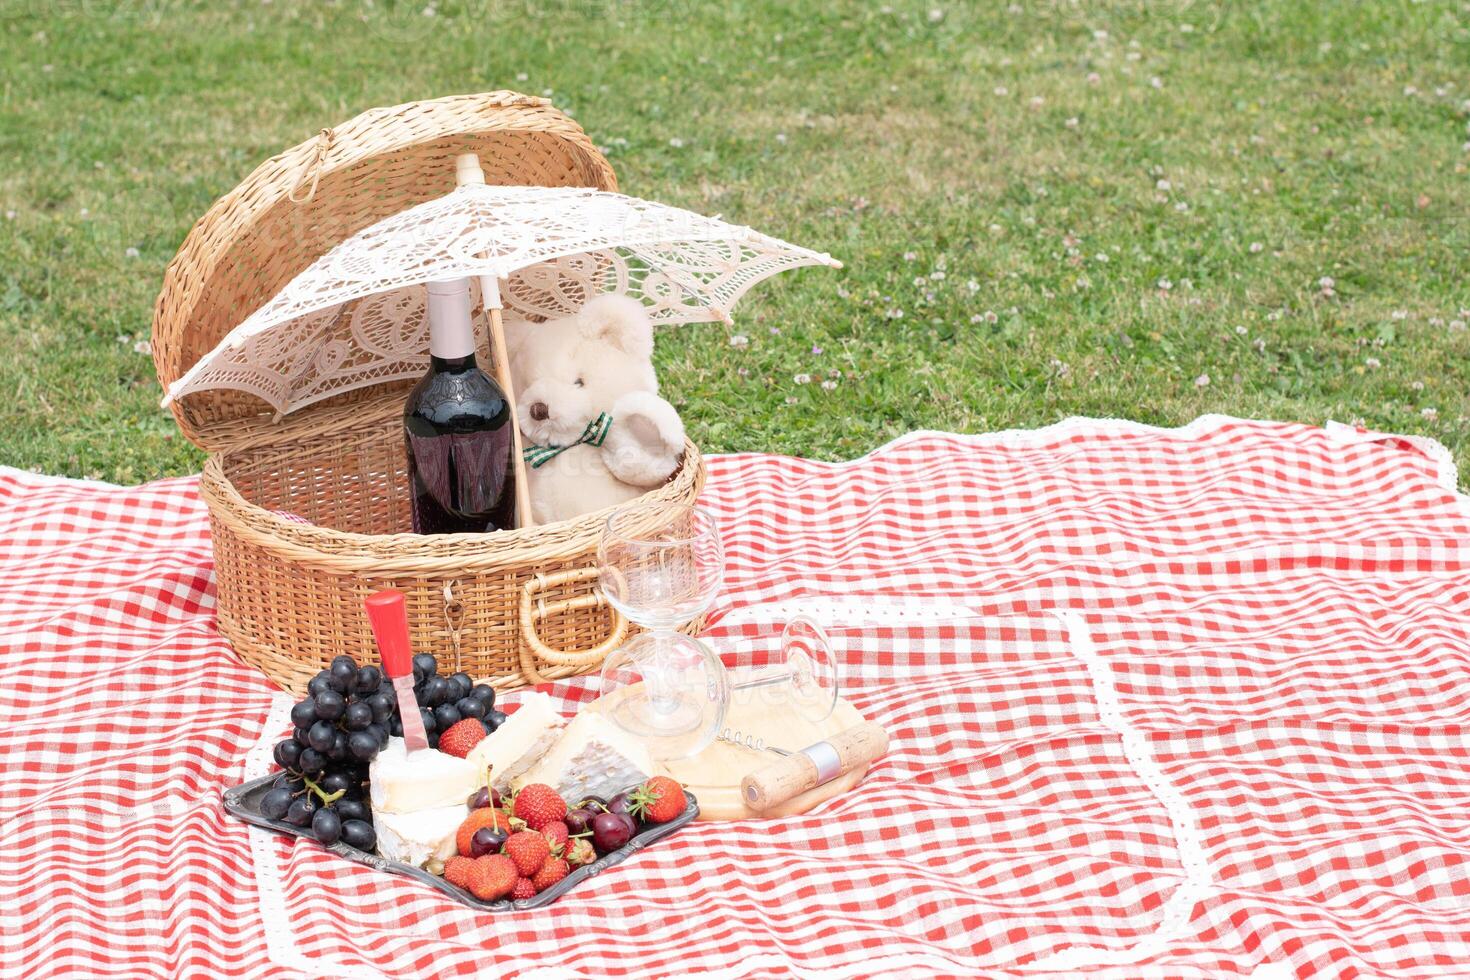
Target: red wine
{"points": [[457, 429]]}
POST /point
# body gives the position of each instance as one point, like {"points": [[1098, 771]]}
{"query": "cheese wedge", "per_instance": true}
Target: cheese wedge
{"points": [[513, 748], [423, 838], [403, 783], [593, 757]]}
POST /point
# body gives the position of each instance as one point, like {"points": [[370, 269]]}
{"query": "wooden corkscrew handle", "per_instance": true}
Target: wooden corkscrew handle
{"points": [[813, 765]]}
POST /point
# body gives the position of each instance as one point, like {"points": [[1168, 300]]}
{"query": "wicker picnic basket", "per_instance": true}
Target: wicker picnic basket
{"points": [[309, 512]]}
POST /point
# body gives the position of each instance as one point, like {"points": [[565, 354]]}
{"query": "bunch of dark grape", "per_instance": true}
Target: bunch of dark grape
{"points": [[345, 719], [443, 701]]}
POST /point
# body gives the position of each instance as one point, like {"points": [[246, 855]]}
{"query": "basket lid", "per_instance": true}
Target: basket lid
{"points": [[297, 205]]}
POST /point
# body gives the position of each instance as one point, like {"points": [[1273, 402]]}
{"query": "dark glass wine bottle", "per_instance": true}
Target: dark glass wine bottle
{"points": [[457, 428]]}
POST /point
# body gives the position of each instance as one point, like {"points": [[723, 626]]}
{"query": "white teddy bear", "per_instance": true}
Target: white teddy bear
{"points": [[596, 432]]}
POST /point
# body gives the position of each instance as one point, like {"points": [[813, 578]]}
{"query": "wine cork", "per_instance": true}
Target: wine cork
{"points": [[813, 765]]}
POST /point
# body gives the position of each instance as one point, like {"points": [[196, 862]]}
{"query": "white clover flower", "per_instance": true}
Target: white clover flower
{"points": [[1400, 314], [1165, 285], [1457, 324], [1072, 123], [995, 229], [1429, 413], [676, 142], [521, 76], [1181, 206], [1203, 381], [1093, 78], [1163, 185], [9, 215], [936, 15], [1156, 82], [131, 252], [1240, 329], [1002, 90], [1373, 362], [802, 379], [739, 341], [894, 314], [1101, 257], [1327, 282], [781, 138], [1256, 248], [937, 275], [1410, 91], [829, 385], [910, 256], [1260, 345], [1416, 385], [743, 371], [791, 399], [143, 347], [990, 316]]}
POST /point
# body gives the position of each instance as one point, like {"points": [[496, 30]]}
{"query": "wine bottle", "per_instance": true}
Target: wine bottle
{"points": [[457, 429]]}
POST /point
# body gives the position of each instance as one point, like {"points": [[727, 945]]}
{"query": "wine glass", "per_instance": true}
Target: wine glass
{"points": [[661, 565]]}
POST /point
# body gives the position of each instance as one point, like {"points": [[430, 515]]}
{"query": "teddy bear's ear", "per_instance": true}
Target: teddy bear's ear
{"points": [[621, 321]]}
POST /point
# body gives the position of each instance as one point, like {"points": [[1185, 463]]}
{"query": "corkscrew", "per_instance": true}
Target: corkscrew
{"points": [[735, 737]]}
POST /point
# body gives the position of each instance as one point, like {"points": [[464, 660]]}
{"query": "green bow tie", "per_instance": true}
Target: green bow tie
{"points": [[593, 435]]}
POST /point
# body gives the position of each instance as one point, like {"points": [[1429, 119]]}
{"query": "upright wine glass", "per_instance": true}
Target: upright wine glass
{"points": [[661, 566]]}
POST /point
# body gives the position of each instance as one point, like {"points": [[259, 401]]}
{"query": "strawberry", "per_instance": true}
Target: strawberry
{"points": [[483, 817], [524, 888], [580, 851], [528, 850], [457, 871], [538, 805], [493, 876], [551, 872], [658, 801], [462, 736], [556, 835]]}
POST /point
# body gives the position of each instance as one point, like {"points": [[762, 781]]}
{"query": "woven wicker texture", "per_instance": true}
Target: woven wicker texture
{"points": [[290, 593]]}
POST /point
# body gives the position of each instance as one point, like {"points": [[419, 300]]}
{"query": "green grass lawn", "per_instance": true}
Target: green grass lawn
{"points": [[1122, 208]]}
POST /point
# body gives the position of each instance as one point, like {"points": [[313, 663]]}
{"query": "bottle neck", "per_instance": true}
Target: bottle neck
{"points": [[451, 331], [451, 365]]}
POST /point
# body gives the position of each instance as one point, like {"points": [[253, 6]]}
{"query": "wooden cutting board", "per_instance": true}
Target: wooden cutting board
{"points": [[714, 775]]}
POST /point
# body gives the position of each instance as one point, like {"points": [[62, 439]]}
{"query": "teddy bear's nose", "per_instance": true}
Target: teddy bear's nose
{"points": [[540, 412]]}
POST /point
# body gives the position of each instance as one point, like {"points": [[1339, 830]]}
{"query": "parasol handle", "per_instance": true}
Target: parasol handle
{"points": [[467, 171]]}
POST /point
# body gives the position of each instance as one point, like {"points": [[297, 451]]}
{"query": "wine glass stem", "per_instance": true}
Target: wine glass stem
{"points": [[764, 682]]}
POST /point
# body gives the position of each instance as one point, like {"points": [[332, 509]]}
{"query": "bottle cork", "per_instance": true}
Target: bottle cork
{"points": [[813, 765]]}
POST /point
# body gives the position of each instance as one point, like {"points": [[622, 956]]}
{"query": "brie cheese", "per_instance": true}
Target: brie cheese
{"points": [[593, 757], [404, 783], [513, 748], [424, 838]]}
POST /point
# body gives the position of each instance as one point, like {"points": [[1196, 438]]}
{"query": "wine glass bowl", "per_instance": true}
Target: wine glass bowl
{"points": [[660, 565]]}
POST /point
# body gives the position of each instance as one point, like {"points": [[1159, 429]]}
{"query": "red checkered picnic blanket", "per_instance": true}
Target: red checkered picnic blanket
{"points": [[1163, 703]]}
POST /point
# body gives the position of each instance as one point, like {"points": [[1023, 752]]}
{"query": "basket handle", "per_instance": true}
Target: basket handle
{"points": [[534, 610]]}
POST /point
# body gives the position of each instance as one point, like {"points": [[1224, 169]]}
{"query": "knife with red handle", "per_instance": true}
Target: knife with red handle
{"points": [[388, 614]]}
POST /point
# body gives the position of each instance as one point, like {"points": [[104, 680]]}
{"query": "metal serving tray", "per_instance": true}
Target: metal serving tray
{"points": [[244, 802]]}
